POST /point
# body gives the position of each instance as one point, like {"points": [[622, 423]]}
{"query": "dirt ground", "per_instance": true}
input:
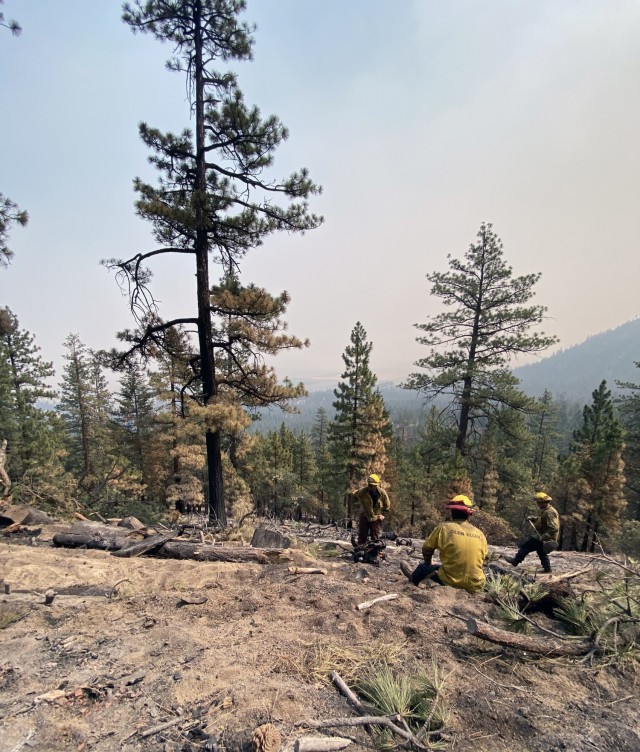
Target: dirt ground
{"points": [[120, 653]]}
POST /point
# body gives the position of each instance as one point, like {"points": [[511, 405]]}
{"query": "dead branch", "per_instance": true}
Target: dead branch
{"points": [[366, 720], [524, 642], [146, 546], [113, 589], [368, 604], [307, 570], [318, 744], [342, 686]]}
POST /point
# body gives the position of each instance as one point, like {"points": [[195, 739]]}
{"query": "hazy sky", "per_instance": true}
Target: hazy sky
{"points": [[420, 119]]}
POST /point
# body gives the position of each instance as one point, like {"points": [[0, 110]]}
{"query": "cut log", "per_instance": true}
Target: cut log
{"points": [[368, 604], [146, 546], [198, 552], [132, 523], [538, 645]]}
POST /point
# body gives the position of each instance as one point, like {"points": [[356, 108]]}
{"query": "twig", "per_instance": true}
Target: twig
{"points": [[161, 727], [113, 589], [25, 739], [504, 686], [620, 699]]}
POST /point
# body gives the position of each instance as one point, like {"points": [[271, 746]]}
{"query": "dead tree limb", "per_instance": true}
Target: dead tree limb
{"points": [[307, 570], [368, 604], [538, 645], [146, 546]]}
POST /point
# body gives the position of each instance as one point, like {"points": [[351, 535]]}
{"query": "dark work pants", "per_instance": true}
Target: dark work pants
{"points": [[424, 571], [529, 546], [366, 528]]}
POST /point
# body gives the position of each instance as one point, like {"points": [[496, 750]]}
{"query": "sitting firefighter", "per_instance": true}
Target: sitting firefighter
{"points": [[463, 549]]}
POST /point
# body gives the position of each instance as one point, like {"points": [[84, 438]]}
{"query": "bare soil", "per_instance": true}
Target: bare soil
{"points": [[121, 651]]}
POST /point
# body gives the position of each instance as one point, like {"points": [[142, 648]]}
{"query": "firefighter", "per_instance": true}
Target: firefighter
{"points": [[547, 532], [373, 502], [463, 549]]}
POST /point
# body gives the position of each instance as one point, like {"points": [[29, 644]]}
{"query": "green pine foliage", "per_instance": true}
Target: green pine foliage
{"points": [[487, 322], [216, 199], [591, 486], [33, 434], [360, 432]]}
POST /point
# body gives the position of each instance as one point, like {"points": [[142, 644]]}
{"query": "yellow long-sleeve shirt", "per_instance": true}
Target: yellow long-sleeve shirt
{"points": [[463, 548]]}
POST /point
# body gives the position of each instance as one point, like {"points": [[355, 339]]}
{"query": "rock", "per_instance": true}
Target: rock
{"points": [[265, 538]]}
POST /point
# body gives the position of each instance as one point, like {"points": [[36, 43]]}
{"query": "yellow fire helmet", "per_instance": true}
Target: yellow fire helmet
{"points": [[373, 480], [461, 503], [542, 498]]}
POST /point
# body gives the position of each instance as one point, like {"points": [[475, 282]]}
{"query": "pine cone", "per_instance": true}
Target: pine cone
{"points": [[266, 738]]}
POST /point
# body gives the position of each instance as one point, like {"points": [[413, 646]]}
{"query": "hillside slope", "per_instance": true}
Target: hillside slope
{"points": [[574, 373], [119, 660]]}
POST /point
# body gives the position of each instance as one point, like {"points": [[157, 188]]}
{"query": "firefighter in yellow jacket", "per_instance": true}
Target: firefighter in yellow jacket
{"points": [[545, 538], [463, 549], [373, 501]]}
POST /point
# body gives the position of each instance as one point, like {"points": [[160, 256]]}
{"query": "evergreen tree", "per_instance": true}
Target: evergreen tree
{"points": [[13, 26], [10, 214], [629, 409], [359, 432], [32, 433], [138, 437], [214, 199], [472, 343], [323, 462], [592, 482], [544, 426], [305, 470], [86, 410]]}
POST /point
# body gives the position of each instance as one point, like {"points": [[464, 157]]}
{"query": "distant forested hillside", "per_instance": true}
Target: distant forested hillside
{"points": [[571, 374], [401, 403], [575, 372]]}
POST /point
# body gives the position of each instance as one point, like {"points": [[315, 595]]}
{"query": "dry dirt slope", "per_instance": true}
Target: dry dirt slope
{"points": [[99, 667]]}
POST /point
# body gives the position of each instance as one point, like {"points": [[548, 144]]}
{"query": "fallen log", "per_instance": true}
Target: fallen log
{"points": [[146, 546], [89, 540], [237, 554], [538, 645]]}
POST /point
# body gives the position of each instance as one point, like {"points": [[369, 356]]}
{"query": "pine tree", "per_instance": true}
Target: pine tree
{"points": [[472, 343], [214, 199], [544, 426], [85, 406], [593, 476], [323, 461], [33, 434], [629, 409], [10, 214], [138, 437], [359, 432]]}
